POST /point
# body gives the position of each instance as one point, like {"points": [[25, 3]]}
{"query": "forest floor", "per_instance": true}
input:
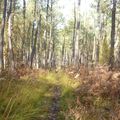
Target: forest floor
{"points": [[64, 95], [39, 95]]}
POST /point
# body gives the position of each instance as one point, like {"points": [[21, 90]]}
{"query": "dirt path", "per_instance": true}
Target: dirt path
{"points": [[54, 110]]}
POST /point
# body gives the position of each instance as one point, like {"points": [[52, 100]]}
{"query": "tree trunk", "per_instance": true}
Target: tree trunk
{"points": [[74, 32], [2, 36], [46, 34], [63, 53], [50, 50], [38, 52], [111, 60], [11, 55], [24, 32], [76, 57], [98, 39], [34, 48]]}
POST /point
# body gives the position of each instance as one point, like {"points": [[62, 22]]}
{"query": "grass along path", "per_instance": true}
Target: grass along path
{"points": [[38, 96], [53, 96]]}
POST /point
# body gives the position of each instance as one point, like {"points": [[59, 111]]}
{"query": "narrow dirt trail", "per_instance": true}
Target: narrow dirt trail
{"points": [[54, 110]]}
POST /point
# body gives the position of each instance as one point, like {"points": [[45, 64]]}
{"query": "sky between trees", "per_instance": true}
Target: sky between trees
{"points": [[67, 7]]}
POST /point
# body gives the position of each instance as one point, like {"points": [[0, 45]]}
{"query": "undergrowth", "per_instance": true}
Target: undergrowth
{"points": [[98, 94], [27, 98], [92, 95]]}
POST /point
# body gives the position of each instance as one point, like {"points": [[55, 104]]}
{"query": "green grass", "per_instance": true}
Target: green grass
{"points": [[29, 98], [25, 99], [68, 96]]}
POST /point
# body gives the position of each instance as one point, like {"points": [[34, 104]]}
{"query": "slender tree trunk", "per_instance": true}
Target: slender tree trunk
{"points": [[53, 55], [111, 60], [24, 31], [2, 36], [98, 39], [0, 6], [34, 48], [11, 55], [38, 52], [34, 38], [33, 53], [50, 50], [76, 58], [63, 52], [74, 32], [46, 34], [29, 43]]}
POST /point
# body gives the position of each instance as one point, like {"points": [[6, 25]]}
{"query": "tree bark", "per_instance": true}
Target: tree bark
{"points": [[38, 52], [11, 55], [2, 36], [74, 32], [63, 52], [24, 31], [76, 57], [98, 39], [34, 48], [46, 34], [111, 60]]}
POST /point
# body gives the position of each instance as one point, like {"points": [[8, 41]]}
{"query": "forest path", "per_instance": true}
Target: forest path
{"points": [[63, 95], [55, 105], [37, 96], [54, 110]]}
